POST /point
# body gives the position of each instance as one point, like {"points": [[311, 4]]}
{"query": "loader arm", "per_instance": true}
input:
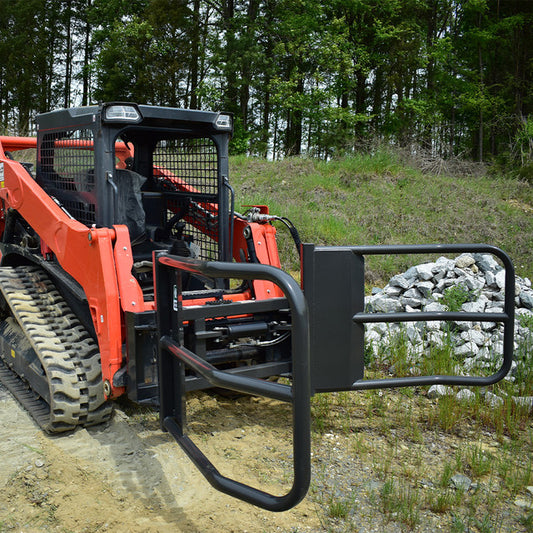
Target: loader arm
{"points": [[86, 254]]}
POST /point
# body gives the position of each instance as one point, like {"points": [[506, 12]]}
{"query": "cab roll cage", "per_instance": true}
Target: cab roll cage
{"points": [[323, 263]]}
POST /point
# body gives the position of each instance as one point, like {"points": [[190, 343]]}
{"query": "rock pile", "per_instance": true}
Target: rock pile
{"points": [[472, 282]]}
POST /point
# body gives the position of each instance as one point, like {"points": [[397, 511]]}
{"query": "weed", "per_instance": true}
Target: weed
{"points": [[457, 295], [441, 501], [320, 409], [382, 463], [440, 359], [517, 477], [484, 525], [446, 476], [448, 413], [457, 525], [480, 463], [33, 449], [409, 422], [527, 521], [401, 503], [339, 508]]}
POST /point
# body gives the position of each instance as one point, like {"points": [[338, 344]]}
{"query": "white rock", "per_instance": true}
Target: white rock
{"points": [[443, 284], [500, 279], [524, 401], [410, 302], [443, 263], [464, 260], [400, 281], [413, 334], [425, 271], [490, 278], [425, 288], [433, 325], [524, 504], [410, 273], [382, 304], [372, 336], [468, 349], [474, 283], [381, 327], [461, 482], [437, 391], [486, 262], [466, 395], [473, 307], [412, 293], [436, 338], [434, 307], [526, 299], [475, 336], [492, 400], [392, 291]]}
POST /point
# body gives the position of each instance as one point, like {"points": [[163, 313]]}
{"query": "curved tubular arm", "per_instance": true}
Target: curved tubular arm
{"points": [[173, 356], [507, 317]]}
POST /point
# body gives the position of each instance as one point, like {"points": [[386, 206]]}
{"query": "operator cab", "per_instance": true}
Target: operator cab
{"points": [[159, 171]]}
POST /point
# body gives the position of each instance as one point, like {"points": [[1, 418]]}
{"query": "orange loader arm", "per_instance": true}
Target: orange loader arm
{"points": [[86, 254]]}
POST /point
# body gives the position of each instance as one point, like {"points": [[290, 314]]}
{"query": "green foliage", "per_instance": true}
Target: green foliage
{"points": [[457, 295], [240, 139], [526, 321], [309, 77]]}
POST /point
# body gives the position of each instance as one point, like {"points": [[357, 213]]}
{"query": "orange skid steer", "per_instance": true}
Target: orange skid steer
{"points": [[125, 269]]}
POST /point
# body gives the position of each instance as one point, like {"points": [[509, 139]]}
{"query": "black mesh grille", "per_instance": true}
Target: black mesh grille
{"points": [[190, 166], [193, 161], [66, 172]]}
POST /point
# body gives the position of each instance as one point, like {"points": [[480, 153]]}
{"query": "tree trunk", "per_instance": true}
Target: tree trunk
{"points": [[68, 55], [195, 55], [86, 58]]}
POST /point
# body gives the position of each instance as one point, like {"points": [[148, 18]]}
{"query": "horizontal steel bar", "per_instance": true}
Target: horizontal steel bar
{"points": [[465, 381], [245, 307], [263, 370], [363, 318], [409, 249]]}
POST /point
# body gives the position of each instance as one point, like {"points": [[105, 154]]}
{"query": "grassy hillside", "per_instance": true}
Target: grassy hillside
{"points": [[381, 199]]}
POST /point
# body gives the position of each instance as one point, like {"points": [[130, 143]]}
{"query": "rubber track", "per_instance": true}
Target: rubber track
{"points": [[68, 354]]}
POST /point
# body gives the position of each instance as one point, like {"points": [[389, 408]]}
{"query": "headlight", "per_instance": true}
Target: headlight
{"points": [[223, 122], [122, 113]]}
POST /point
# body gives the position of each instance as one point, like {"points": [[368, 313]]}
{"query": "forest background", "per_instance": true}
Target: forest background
{"points": [[453, 79]]}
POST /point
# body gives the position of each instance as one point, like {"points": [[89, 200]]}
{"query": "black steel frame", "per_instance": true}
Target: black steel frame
{"points": [[174, 357], [309, 359], [507, 317]]}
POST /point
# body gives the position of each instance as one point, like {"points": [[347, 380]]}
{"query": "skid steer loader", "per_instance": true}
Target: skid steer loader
{"points": [[125, 270]]}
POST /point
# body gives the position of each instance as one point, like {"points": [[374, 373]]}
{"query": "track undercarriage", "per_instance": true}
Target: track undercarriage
{"points": [[48, 360]]}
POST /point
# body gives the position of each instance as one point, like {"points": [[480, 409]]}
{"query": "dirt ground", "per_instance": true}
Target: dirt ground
{"points": [[129, 476]]}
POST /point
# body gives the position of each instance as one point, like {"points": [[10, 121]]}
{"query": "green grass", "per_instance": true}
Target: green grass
{"points": [[412, 451], [379, 199]]}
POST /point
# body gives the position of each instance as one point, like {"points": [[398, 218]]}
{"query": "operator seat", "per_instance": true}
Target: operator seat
{"points": [[129, 205]]}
